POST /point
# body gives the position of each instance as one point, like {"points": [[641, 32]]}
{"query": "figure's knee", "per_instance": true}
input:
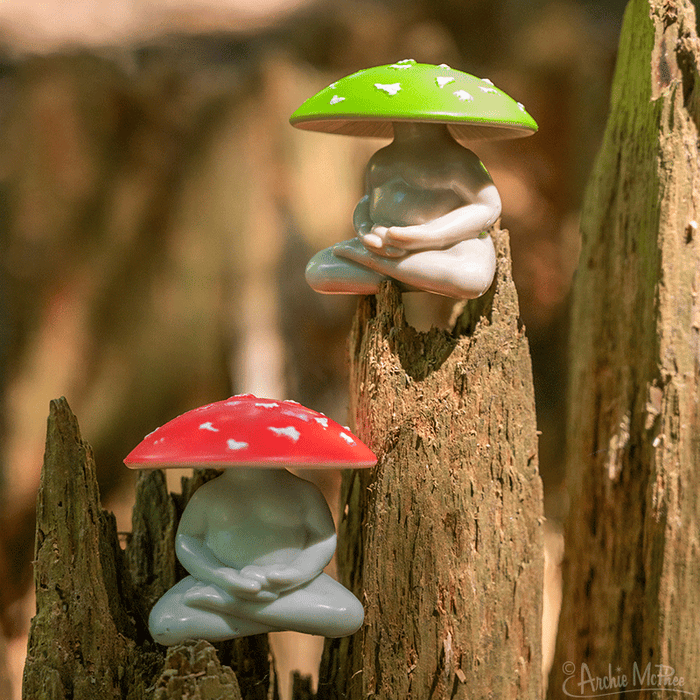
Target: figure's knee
{"points": [[348, 619], [172, 622], [472, 279], [476, 283], [329, 274], [165, 625]]}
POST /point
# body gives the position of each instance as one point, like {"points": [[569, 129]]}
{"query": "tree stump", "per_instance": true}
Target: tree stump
{"points": [[632, 559], [89, 638], [443, 540]]}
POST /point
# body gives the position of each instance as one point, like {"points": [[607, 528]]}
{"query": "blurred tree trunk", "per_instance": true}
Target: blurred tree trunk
{"points": [[443, 541], [632, 563]]}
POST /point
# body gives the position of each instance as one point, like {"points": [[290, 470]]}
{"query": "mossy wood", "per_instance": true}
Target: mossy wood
{"points": [[89, 639], [632, 561], [443, 540]]}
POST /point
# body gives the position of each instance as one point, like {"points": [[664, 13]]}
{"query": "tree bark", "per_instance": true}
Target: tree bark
{"points": [[632, 568], [443, 540], [89, 638]]}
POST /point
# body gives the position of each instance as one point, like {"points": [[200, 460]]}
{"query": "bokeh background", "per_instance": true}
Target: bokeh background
{"points": [[157, 211]]}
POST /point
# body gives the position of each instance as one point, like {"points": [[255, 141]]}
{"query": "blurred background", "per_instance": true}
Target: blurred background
{"points": [[157, 212]]}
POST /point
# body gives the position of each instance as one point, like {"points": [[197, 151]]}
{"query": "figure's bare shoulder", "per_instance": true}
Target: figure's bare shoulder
{"points": [[382, 161], [194, 519], [467, 173], [461, 158]]}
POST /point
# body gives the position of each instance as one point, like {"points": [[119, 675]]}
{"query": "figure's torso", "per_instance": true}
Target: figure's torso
{"points": [[247, 524], [395, 202], [415, 185]]}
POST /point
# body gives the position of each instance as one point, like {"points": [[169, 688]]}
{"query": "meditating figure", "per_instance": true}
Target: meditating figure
{"points": [[424, 218], [256, 539], [423, 221], [255, 542]]}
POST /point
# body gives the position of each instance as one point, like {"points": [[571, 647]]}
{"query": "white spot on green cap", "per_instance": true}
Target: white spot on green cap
{"points": [[389, 89], [403, 64], [443, 80], [463, 96], [337, 98]]}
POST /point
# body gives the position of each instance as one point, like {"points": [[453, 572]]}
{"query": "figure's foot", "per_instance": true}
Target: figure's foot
{"points": [[328, 273], [353, 251], [209, 597]]}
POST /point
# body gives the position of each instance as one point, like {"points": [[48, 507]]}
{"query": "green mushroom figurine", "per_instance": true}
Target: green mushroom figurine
{"points": [[429, 201]]}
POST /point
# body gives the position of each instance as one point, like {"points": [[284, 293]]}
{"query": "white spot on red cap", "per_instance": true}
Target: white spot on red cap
{"points": [[272, 404], [208, 426], [347, 438], [299, 415], [203, 408], [290, 431], [235, 445], [321, 420]]}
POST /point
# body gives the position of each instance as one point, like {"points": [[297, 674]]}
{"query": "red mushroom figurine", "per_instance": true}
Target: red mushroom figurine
{"points": [[256, 539]]}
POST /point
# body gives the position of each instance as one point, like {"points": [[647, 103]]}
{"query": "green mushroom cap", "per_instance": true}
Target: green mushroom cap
{"points": [[367, 102]]}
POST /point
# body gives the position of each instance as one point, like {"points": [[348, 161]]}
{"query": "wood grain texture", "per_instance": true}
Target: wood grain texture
{"points": [[82, 642], [632, 563], [89, 637], [443, 539]]}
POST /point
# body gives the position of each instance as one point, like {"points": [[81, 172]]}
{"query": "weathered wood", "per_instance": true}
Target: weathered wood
{"points": [[82, 642], [632, 563], [89, 638], [192, 670], [443, 540]]}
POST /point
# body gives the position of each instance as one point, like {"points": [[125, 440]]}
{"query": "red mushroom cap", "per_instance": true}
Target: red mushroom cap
{"points": [[251, 432]]}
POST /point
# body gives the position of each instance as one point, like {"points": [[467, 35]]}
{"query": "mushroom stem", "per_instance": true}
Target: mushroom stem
{"points": [[251, 474], [408, 131]]}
